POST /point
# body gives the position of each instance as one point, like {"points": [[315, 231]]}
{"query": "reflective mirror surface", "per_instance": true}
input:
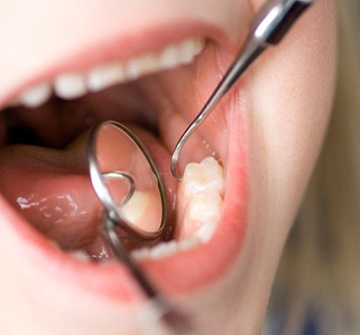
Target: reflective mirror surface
{"points": [[126, 180]]}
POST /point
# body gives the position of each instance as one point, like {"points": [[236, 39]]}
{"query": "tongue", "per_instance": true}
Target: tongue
{"points": [[52, 190]]}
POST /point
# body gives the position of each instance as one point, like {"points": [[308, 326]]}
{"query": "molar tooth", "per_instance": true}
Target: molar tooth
{"points": [[35, 96], [205, 206], [70, 85], [189, 49], [203, 213], [206, 231], [201, 199], [207, 175], [105, 75], [198, 45]]}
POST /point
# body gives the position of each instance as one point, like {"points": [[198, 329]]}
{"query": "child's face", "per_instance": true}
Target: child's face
{"points": [[267, 133]]}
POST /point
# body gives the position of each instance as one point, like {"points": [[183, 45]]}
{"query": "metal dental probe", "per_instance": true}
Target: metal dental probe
{"points": [[268, 27]]}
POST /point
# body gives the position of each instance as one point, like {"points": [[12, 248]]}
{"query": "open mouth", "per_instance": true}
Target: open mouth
{"points": [[51, 212]]}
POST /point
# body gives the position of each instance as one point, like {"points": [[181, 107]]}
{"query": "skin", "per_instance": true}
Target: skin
{"points": [[281, 106]]}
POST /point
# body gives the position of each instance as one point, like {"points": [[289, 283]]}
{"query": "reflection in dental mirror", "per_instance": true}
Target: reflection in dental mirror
{"points": [[126, 180], [129, 186]]}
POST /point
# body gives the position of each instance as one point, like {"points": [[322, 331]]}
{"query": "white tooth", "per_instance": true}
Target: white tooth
{"points": [[141, 254], [198, 45], [188, 243], [104, 76], [207, 175], [80, 255], [74, 85], [70, 85], [35, 96], [186, 51], [166, 249], [205, 206], [141, 65], [202, 189], [159, 251], [189, 49], [169, 58], [206, 231], [135, 208], [203, 214], [163, 250]]}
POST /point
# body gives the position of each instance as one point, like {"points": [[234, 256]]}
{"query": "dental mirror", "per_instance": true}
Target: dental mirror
{"points": [[128, 184], [126, 180]]}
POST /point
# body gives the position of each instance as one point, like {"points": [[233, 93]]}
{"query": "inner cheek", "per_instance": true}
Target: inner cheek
{"points": [[188, 90]]}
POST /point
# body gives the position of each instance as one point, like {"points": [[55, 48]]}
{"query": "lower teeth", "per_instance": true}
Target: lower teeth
{"points": [[199, 207], [199, 210]]}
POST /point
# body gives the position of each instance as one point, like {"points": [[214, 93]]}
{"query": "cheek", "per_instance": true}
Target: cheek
{"points": [[291, 91]]}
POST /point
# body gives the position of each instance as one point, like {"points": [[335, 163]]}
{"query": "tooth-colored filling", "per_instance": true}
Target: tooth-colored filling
{"points": [[76, 84]]}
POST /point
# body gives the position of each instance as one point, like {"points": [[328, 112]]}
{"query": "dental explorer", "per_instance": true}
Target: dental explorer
{"points": [[268, 27]]}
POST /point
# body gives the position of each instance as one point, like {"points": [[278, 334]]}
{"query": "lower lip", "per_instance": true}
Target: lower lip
{"points": [[175, 275]]}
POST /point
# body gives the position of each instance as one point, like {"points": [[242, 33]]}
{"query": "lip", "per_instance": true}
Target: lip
{"points": [[118, 46], [178, 274]]}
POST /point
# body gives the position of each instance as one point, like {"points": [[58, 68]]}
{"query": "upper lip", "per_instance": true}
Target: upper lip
{"points": [[116, 45], [165, 272]]}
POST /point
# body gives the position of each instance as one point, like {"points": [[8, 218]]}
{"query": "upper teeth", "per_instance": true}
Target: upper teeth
{"points": [[76, 84]]}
